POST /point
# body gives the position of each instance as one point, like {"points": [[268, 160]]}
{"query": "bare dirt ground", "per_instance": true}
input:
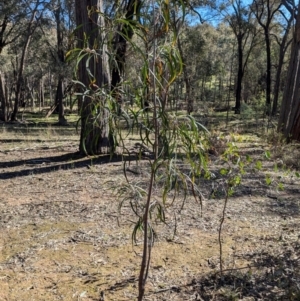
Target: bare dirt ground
{"points": [[63, 237]]}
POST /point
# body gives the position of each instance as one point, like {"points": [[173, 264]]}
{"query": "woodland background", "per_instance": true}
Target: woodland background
{"points": [[149, 150]]}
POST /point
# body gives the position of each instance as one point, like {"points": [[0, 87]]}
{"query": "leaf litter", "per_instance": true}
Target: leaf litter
{"points": [[63, 238]]}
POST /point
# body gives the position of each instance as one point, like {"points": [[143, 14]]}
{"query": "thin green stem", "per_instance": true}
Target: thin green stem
{"points": [[147, 245], [220, 231]]}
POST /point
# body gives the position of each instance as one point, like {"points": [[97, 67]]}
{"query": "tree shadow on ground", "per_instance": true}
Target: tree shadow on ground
{"points": [[287, 206], [268, 277], [41, 165], [28, 140]]}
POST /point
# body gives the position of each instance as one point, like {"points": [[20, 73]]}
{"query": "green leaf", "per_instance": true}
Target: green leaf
{"points": [[248, 159], [207, 175], [258, 165], [237, 180], [137, 227], [268, 180], [224, 171], [280, 186], [230, 191], [297, 174], [268, 155]]}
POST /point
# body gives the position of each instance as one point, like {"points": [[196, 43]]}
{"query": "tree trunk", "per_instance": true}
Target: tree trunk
{"points": [[59, 102], [59, 106], [289, 119], [95, 135], [238, 91], [20, 81], [264, 12], [3, 26], [268, 79], [277, 83], [123, 33], [41, 93], [283, 47], [3, 99], [50, 88], [30, 93]]}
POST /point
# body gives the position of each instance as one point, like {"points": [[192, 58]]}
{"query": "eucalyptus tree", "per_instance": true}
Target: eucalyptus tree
{"points": [[181, 23], [32, 19], [59, 8], [28, 33], [289, 119], [4, 95], [99, 72], [11, 16], [283, 41], [241, 21], [57, 27], [93, 74], [254, 82], [167, 134], [14, 15], [265, 11], [164, 133]]}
